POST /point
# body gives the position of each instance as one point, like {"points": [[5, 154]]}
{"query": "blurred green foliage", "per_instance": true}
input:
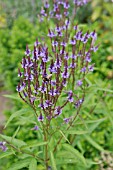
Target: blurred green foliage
{"points": [[18, 27]]}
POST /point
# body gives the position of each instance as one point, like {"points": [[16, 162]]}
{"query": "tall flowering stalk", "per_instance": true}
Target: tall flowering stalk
{"points": [[52, 76]]}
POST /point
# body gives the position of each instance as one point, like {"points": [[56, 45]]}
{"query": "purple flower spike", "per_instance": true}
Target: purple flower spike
{"points": [[47, 103], [58, 110], [79, 83], [78, 103], [63, 44], [67, 120], [70, 96], [40, 118], [66, 5], [28, 51], [2, 146]]}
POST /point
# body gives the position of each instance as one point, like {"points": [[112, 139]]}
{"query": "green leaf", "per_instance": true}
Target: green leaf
{"points": [[107, 90], [77, 132], [20, 164], [53, 163], [75, 152], [15, 142], [93, 143], [17, 114], [33, 164], [31, 145], [64, 136], [15, 97], [5, 154]]}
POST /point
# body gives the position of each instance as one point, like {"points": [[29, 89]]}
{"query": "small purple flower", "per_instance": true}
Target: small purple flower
{"points": [[47, 103], [78, 35], [73, 56], [79, 83], [36, 43], [94, 48], [87, 58], [35, 128], [72, 65], [28, 51], [66, 5], [83, 70], [67, 23], [42, 12], [46, 5], [75, 27], [40, 118], [58, 111], [91, 67], [51, 34], [78, 103], [19, 73], [3, 146], [52, 92], [72, 42], [67, 120], [42, 88], [70, 96], [93, 35], [53, 83], [32, 99], [63, 44], [66, 56], [54, 43], [58, 16], [65, 74], [21, 87]]}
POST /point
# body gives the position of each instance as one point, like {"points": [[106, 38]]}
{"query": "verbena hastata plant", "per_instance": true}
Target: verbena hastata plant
{"points": [[53, 83]]}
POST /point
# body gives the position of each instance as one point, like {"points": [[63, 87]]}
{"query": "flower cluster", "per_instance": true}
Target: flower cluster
{"points": [[59, 10], [49, 71]]}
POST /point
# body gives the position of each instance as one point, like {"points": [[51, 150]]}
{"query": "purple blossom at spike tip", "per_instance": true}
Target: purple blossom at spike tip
{"points": [[40, 118], [47, 5], [52, 92], [52, 68], [53, 82], [93, 35], [80, 2], [58, 111], [54, 43], [79, 83], [72, 42], [94, 48], [21, 87], [42, 88], [75, 27], [78, 35], [66, 5], [3, 146], [65, 74], [91, 67], [72, 65], [19, 73], [28, 51], [83, 70], [42, 12], [67, 23], [36, 43], [63, 44], [73, 56], [87, 58], [66, 13], [35, 128], [51, 34], [47, 103], [78, 103], [64, 82], [32, 99], [70, 96], [66, 56], [67, 120], [58, 16]]}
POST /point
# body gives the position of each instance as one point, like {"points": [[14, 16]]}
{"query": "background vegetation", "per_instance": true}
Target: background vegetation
{"points": [[19, 26]]}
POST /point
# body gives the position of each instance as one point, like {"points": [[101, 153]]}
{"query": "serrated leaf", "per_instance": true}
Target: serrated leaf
{"points": [[5, 154], [31, 145], [33, 164], [16, 114], [75, 152], [20, 164], [53, 163], [93, 143], [15, 142]]}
